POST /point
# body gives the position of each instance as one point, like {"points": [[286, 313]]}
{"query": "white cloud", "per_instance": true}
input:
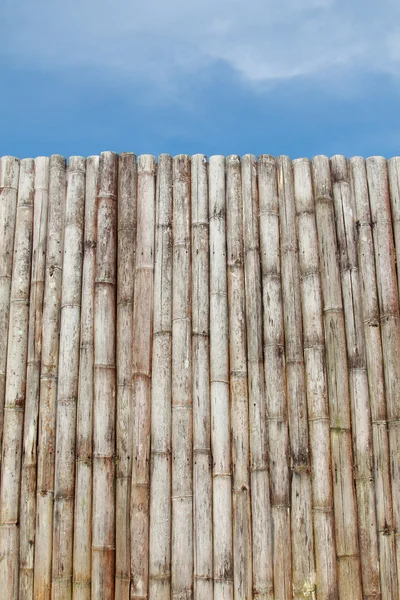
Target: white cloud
{"points": [[262, 40]]}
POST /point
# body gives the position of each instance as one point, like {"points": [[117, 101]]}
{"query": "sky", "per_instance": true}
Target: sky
{"points": [[296, 77]]}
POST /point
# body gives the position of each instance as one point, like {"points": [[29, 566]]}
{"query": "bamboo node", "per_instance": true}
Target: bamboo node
{"points": [[160, 576], [106, 196], [267, 213]]}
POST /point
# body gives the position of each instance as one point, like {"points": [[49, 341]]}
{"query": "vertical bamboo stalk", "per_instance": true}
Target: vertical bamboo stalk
{"points": [[242, 547], [84, 422], [182, 428], [127, 183], [68, 374], [48, 379], [374, 361], [160, 473], [103, 516], [202, 468], [303, 564], [219, 378], [394, 181], [142, 351], [317, 402], [260, 488], [358, 381], [389, 317], [29, 459], [349, 576], [274, 370], [15, 392], [9, 172]]}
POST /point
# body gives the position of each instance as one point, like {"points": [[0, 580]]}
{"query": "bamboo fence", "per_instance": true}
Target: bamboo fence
{"points": [[199, 378]]}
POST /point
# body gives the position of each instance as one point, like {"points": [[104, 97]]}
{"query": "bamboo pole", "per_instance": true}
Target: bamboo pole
{"points": [[303, 563], [29, 458], [219, 379], [48, 379], [374, 361], [142, 351], [389, 318], [182, 427], [127, 182], [263, 587], [316, 386], [202, 467], [274, 373], [242, 543], [347, 551], [160, 472], [103, 515], [9, 173], [394, 181], [15, 392], [358, 381], [84, 423], [68, 374]]}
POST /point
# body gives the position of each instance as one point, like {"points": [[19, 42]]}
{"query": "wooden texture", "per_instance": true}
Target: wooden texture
{"points": [[199, 378]]}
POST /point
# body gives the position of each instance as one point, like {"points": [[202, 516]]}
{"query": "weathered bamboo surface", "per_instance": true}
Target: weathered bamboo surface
{"points": [[199, 378]]}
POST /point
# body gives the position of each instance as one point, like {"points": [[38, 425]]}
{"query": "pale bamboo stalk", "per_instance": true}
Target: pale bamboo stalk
{"points": [[9, 172], [68, 375], [29, 458], [242, 543], [347, 551], [219, 378], [84, 423], [394, 181], [374, 361], [274, 374], [15, 392], [103, 515], [389, 318], [316, 387], [142, 351], [303, 563], [358, 381], [263, 587], [182, 406], [125, 280], [48, 379], [160, 469], [202, 467]]}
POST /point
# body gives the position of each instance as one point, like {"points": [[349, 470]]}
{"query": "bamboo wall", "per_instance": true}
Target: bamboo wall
{"points": [[199, 378]]}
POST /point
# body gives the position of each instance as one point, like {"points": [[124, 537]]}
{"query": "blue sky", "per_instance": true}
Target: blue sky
{"points": [[297, 77]]}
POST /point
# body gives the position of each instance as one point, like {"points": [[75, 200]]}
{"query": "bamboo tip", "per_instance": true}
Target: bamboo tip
{"points": [[233, 159], [58, 162], [42, 172], [299, 161], [338, 168], [9, 171], [266, 158], [394, 160], [77, 163], [127, 155], [147, 162], [380, 160], [199, 157], [181, 158], [217, 160]]}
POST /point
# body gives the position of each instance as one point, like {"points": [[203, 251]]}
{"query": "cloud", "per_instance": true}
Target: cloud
{"points": [[263, 41]]}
